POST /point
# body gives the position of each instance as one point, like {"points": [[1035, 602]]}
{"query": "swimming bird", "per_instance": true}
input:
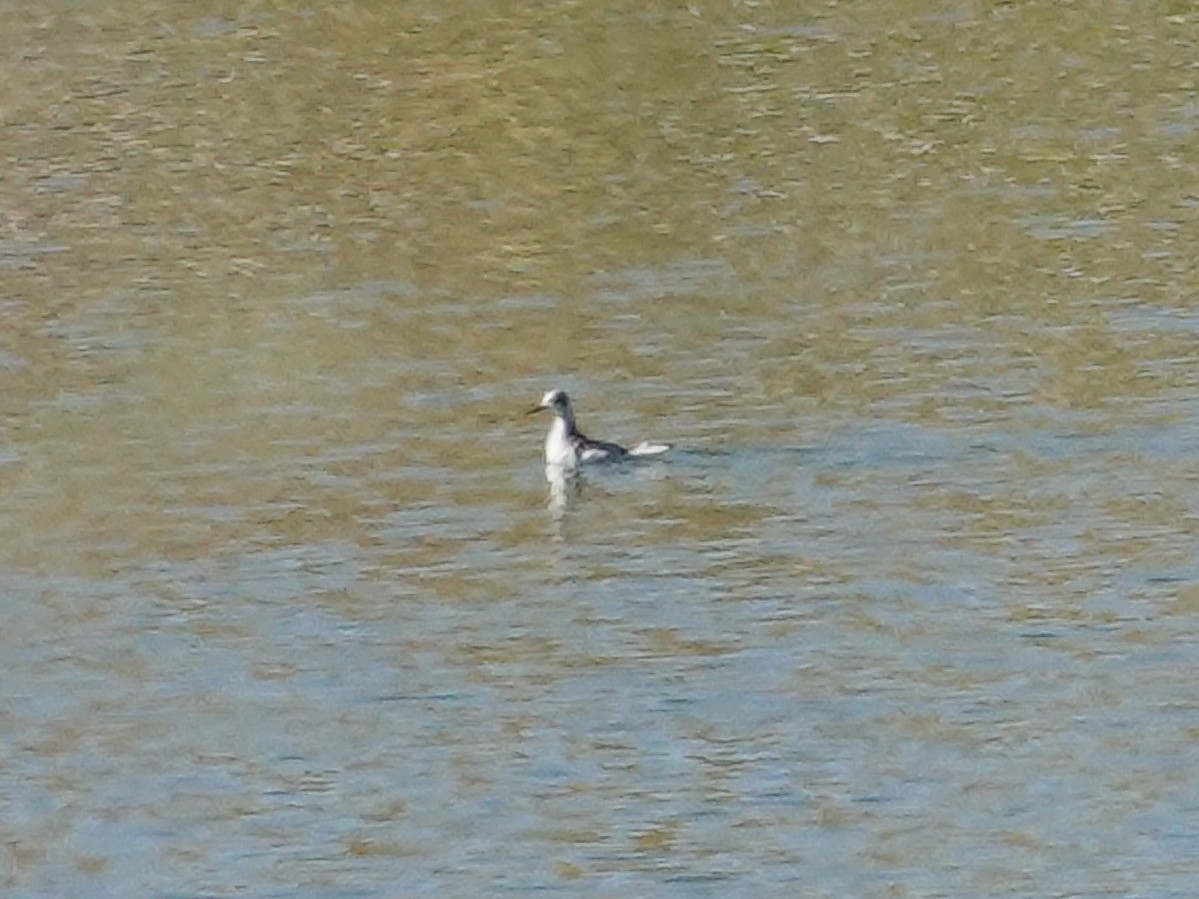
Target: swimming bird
{"points": [[567, 447]]}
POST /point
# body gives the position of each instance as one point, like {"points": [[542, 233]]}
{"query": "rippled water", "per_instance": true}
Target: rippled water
{"points": [[289, 606]]}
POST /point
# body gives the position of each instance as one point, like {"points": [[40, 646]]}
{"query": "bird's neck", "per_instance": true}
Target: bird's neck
{"points": [[565, 423]]}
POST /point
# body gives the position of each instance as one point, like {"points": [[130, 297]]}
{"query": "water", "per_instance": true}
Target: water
{"points": [[289, 607]]}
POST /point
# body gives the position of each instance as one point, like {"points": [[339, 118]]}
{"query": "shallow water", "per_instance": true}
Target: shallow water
{"points": [[289, 606]]}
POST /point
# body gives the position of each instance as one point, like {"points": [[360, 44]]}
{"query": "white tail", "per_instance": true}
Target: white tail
{"points": [[645, 448]]}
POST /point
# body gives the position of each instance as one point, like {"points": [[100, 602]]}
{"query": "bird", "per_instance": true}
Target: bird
{"points": [[566, 447]]}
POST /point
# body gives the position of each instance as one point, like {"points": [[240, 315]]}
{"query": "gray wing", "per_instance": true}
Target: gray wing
{"points": [[598, 451]]}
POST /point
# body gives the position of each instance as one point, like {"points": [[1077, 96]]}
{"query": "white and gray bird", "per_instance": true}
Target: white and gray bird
{"points": [[567, 447]]}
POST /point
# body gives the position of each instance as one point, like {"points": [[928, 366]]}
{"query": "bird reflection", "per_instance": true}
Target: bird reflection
{"points": [[565, 490]]}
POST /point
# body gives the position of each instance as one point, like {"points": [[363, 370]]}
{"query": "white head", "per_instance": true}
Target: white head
{"points": [[557, 402]]}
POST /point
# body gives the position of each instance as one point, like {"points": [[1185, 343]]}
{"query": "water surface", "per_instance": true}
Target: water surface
{"points": [[288, 608]]}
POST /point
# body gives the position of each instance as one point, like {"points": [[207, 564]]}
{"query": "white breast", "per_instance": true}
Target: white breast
{"points": [[558, 448]]}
